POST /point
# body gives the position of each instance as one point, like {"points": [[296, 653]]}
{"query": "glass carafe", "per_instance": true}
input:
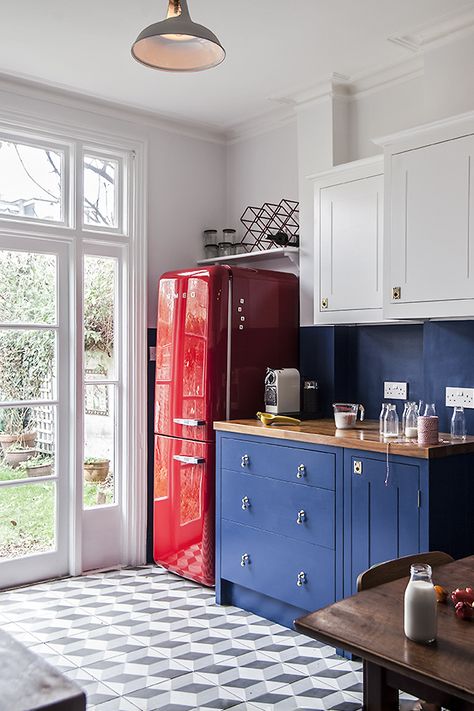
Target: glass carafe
{"points": [[420, 611], [391, 422]]}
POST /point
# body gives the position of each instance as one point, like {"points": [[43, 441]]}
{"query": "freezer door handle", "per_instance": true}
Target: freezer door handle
{"points": [[188, 460], [189, 423]]}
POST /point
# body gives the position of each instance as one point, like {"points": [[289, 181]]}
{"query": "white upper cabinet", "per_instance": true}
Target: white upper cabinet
{"points": [[429, 241], [348, 243]]}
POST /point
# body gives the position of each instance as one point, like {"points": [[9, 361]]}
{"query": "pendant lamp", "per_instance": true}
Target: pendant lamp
{"points": [[178, 44]]}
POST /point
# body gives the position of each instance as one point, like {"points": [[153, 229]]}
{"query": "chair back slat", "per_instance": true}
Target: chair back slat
{"points": [[399, 568]]}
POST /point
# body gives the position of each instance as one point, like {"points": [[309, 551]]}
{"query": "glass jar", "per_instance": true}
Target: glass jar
{"points": [[410, 429], [229, 235], [226, 249], [391, 422], [211, 251], [209, 237], [420, 610], [458, 424]]}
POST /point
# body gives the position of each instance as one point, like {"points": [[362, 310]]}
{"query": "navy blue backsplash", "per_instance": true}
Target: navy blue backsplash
{"points": [[351, 363]]}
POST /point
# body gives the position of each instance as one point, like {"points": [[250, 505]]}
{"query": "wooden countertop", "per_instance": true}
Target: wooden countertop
{"points": [[365, 437]]}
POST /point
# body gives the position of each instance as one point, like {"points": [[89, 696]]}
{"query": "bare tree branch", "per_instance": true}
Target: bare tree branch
{"points": [[97, 212], [55, 197], [100, 171]]}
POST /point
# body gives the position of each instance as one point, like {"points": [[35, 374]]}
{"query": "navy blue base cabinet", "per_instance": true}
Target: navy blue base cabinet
{"points": [[408, 506], [279, 526], [297, 523]]}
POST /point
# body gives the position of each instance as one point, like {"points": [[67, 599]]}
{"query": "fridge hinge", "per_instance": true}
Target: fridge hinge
{"points": [[419, 499]]}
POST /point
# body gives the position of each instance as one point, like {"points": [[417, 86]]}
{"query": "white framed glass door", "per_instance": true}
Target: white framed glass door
{"points": [[104, 426], [35, 445], [72, 352]]}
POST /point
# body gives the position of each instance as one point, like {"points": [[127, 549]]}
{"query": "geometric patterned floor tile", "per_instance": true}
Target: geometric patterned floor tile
{"points": [[187, 692], [143, 638]]}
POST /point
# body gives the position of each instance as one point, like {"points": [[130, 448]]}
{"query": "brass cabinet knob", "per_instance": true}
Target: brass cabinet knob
{"points": [[357, 467], [397, 293]]}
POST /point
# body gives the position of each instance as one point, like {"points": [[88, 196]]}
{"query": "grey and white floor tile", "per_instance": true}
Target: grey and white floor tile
{"points": [[145, 639]]}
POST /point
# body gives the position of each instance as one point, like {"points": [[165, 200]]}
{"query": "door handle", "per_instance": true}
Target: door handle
{"points": [[189, 423], [188, 460]]}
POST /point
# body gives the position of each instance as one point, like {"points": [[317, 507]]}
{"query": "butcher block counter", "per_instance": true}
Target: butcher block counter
{"points": [[303, 509], [364, 437]]}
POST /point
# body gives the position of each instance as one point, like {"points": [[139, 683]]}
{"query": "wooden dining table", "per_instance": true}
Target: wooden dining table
{"points": [[370, 625]]}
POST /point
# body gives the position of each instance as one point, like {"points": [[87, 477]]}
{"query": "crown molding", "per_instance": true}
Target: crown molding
{"points": [[434, 34], [260, 124], [380, 78], [56, 94]]}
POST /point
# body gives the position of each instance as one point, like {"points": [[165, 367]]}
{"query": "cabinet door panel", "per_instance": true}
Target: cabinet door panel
{"points": [[384, 517], [350, 244], [431, 214]]}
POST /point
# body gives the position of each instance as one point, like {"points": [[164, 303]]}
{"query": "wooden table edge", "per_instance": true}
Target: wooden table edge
{"points": [[383, 662]]}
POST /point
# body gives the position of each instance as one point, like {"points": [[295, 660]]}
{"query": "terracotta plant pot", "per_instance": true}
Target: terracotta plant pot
{"points": [[39, 470], [25, 439], [96, 472], [14, 457]]}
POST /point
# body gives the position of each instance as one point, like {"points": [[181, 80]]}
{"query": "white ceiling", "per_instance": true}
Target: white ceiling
{"points": [[274, 48]]}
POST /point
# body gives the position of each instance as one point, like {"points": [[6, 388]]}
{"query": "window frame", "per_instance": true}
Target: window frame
{"points": [[67, 188]]}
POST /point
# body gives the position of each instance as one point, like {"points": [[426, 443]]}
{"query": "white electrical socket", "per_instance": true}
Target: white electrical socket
{"points": [[395, 391], [460, 397]]}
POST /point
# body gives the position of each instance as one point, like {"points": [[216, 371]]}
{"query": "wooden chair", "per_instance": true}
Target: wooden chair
{"points": [[399, 568], [393, 570]]}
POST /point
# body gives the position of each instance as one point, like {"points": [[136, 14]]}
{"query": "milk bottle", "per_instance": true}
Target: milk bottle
{"points": [[420, 620]]}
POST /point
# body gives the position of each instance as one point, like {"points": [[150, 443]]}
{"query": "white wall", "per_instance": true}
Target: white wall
{"points": [[262, 168], [187, 193], [380, 113], [186, 172]]}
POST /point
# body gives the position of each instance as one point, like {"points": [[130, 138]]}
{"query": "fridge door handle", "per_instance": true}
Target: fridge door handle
{"points": [[188, 460], [189, 423]]}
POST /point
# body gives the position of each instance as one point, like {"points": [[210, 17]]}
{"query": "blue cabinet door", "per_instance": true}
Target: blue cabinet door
{"points": [[382, 513]]}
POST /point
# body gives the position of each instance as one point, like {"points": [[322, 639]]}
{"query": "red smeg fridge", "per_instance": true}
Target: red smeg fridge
{"points": [[218, 329]]}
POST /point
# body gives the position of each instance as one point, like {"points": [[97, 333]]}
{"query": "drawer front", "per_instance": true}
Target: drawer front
{"points": [[305, 513], [274, 565], [300, 465]]}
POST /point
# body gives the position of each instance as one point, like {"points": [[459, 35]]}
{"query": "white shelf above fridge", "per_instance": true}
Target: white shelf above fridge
{"points": [[290, 253]]}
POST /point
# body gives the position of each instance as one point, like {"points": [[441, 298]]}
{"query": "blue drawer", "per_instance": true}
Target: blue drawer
{"points": [[277, 506], [306, 466], [274, 564]]}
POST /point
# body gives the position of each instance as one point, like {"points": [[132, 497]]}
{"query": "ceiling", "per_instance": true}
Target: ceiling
{"points": [[274, 48]]}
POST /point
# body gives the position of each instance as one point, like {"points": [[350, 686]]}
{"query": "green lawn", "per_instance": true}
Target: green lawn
{"points": [[27, 513]]}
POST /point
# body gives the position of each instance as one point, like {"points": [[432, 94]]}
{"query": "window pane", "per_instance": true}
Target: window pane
{"points": [[27, 519], [27, 365], [100, 191], [31, 181], [99, 445], [27, 442], [28, 287], [100, 277]]}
